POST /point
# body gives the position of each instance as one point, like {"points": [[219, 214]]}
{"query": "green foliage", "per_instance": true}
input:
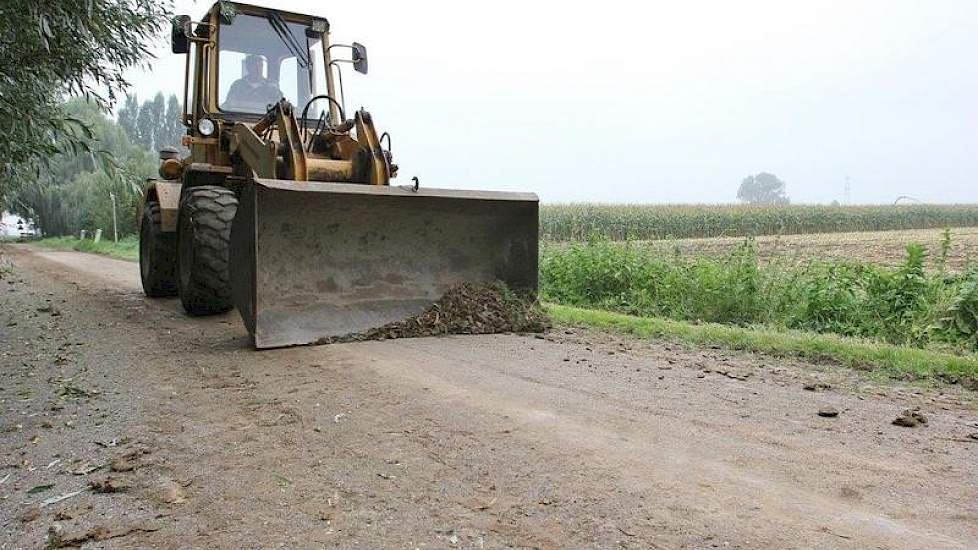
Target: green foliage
{"points": [[128, 115], [960, 323], [895, 361], [153, 125], [578, 222], [763, 188], [172, 129], [73, 193], [903, 306], [126, 249], [50, 49]]}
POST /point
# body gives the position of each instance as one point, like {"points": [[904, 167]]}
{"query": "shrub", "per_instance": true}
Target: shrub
{"points": [[903, 305]]}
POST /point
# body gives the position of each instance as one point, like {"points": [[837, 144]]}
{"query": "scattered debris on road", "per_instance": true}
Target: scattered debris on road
{"points": [[109, 485], [828, 412], [30, 514], [128, 461], [170, 492], [59, 498], [85, 469], [60, 538], [50, 310], [70, 390], [464, 309], [910, 418], [73, 512], [40, 488]]}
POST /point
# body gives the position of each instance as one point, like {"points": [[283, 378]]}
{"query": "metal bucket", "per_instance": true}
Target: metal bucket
{"points": [[313, 260]]}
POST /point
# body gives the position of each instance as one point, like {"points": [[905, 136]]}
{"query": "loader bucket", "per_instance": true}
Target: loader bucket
{"points": [[315, 260]]}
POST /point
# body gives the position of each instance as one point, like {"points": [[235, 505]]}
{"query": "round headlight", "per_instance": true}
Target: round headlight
{"points": [[205, 126]]}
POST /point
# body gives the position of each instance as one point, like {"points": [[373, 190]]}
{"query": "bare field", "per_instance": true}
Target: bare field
{"points": [[883, 247]]}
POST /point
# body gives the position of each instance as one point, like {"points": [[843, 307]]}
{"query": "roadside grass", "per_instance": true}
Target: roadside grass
{"points": [[126, 249], [906, 305], [899, 362]]}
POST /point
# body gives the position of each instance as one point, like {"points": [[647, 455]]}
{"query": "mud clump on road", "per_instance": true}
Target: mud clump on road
{"points": [[910, 418], [464, 309]]}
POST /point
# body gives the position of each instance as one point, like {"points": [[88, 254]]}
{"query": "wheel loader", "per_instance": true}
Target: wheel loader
{"points": [[284, 207]]}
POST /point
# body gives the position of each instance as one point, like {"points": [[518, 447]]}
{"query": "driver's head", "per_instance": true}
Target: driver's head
{"points": [[254, 66]]}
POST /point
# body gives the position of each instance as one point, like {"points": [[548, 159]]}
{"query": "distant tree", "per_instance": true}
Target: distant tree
{"points": [[154, 124], [764, 188], [144, 127], [173, 122], [160, 127], [150, 123], [128, 115]]}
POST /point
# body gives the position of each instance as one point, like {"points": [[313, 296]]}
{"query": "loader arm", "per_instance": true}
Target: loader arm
{"points": [[261, 155], [364, 162], [378, 170]]}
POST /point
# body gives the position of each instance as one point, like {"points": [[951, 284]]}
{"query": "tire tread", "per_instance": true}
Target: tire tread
{"points": [[211, 211]]}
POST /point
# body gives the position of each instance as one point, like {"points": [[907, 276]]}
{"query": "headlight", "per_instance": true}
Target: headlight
{"points": [[205, 126]]}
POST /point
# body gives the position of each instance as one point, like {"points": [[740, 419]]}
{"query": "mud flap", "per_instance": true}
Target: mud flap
{"points": [[313, 260]]}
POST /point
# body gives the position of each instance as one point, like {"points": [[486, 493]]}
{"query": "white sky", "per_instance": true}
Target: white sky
{"points": [[663, 101]]}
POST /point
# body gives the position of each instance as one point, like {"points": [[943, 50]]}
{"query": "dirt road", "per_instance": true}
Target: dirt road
{"points": [[571, 439]]}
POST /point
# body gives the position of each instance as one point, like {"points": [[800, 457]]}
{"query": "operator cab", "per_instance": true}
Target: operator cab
{"points": [[262, 59], [244, 59]]}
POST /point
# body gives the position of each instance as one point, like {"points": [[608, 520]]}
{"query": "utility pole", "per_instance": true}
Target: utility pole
{"points": [[115, 228], [847, 192]]}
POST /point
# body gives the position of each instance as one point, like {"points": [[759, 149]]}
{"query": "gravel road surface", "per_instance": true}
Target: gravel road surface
{"points": [[158, 430]]}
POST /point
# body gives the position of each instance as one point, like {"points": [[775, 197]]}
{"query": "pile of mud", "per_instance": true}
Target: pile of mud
{"points": [[464, 309]]}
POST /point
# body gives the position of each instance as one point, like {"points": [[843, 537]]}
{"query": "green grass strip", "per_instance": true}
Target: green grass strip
{"points": [[896, 361], [125, 249]]}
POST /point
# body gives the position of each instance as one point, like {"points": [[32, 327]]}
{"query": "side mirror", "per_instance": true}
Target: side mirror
{"points": [[359, 58], [180, 34]]}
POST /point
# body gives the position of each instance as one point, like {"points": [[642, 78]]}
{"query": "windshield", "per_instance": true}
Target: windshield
{"points": [[263, 59]]}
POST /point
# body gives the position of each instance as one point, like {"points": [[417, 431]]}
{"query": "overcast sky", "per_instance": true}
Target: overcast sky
{"points": [[664, 101]]}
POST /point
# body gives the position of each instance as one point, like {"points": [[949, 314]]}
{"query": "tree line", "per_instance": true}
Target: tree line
{"points": [[155, 124], [75, 189], [51, 51]]}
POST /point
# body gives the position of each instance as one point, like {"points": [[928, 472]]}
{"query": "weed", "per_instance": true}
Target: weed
{"points": [[902, 306]]}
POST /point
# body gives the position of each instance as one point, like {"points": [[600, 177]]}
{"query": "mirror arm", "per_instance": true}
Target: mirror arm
{"points": [[189, 28], [339, 75], [359, 60]]}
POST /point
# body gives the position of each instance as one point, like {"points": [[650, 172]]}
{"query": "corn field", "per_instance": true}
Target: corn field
{"points": [[576, 222]]}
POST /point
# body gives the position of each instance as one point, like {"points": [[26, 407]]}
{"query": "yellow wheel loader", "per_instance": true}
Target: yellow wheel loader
{"points": [[284, 208]]}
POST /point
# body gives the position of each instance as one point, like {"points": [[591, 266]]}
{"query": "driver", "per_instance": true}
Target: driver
{"points": [[252, 90]]}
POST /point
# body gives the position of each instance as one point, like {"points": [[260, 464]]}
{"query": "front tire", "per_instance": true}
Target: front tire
{"points": [[157, 254], [204, 227]]}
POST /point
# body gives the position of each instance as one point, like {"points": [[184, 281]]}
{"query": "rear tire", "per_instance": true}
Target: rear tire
{"points": [[204, 226], [157, 254]]}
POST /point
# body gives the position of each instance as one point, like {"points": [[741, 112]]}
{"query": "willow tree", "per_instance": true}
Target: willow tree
{"points": [[51, 50]]}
